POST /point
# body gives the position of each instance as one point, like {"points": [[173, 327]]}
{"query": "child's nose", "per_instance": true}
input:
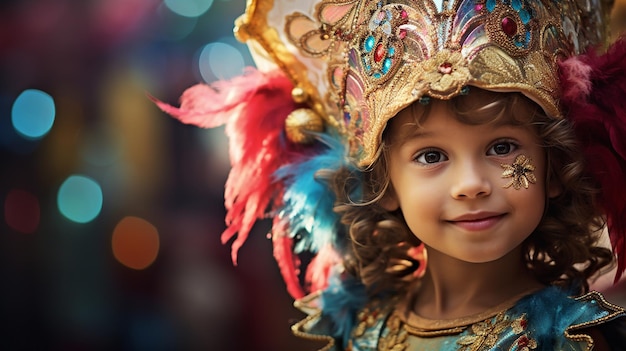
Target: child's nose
{"points": [[470, 181]]}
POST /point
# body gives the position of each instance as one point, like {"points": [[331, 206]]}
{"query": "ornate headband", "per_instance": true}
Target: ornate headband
{"points": [[367, 60]]}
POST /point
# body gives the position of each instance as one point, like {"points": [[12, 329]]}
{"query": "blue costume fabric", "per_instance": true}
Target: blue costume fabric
{"points": [[544, 320]]}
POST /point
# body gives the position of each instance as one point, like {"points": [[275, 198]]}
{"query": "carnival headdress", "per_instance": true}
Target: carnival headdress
{"points": [[331, 73]]}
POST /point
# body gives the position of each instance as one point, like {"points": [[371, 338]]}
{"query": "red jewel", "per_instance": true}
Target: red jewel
{"points": [[404, 15], [522, 341], [478, 7], [380, 52], [402, 34], [523, 323], [509, 27], [445, 68]]}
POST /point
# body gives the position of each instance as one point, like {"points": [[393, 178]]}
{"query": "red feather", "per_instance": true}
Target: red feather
{"points": [[254, 108], [594, 95], [288, 262]]}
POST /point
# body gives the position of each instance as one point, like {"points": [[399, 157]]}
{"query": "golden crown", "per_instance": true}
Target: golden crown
{"points": [[358, 63]]}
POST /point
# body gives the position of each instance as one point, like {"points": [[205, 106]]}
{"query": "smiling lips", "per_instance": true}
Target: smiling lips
{"points": [[477, 221]]}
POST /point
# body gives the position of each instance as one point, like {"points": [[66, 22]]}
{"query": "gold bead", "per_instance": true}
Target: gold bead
{"points": [[300, 122], [299, 95]]}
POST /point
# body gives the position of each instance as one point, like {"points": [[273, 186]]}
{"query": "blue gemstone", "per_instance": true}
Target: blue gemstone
{"points": [[524, 16], [391, 51], [387, 65], [491, 5], [377, 75], [369, 43], [516, 5], [366, 64]]}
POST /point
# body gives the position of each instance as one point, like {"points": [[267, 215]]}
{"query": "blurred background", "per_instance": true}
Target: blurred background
{"points": [[111, 210]]}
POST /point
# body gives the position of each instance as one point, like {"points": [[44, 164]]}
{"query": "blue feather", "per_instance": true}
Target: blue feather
{"points": [[341, 302], [308, 202]]}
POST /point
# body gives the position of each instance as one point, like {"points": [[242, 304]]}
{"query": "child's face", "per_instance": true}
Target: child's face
{"points": [[447, 179]]}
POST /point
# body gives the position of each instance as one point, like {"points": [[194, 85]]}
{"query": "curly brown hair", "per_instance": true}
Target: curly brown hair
{"points": [[563, 250]]}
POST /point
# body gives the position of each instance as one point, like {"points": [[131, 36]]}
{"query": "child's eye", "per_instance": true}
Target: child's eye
{"points": [[502, 148], [430, 157]]}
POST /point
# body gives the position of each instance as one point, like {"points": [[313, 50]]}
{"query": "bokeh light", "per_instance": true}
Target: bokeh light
{"points": [[33, 113], [135, 242], [220, 61], [80, 199], [22, 211], [189, 8], [175, 27]]}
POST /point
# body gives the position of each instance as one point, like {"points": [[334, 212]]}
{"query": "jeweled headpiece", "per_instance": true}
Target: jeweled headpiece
{"points": [[377, 57]]}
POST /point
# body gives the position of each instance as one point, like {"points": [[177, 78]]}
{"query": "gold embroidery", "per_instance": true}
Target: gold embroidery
{"points": [[519, 324], [520, 172], [396, 340], [523, 343], [484, 334], [367, 319]]}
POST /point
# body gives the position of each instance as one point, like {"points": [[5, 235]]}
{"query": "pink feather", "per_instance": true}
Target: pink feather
{"points": [[321, 267], [594, 94], [254, 108]]}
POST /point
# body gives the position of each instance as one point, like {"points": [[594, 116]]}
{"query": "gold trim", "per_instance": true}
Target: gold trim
{"points": [[424, 327], [306, 305], [614, 312], [298, 330], [253, 25]]}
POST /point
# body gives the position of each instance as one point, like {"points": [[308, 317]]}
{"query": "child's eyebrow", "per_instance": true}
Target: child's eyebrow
{"points": [[409, 131]]}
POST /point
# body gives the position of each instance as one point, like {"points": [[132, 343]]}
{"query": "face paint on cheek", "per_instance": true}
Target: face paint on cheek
{"points": [[520, 172]]}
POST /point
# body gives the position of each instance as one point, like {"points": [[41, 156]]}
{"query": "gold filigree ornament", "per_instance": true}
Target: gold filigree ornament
{"points": [[445, 75], [520, 172]]}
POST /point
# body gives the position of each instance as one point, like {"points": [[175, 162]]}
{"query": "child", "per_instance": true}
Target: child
{"points": [[451, 164]]}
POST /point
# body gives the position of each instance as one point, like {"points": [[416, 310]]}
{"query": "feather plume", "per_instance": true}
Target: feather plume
{"points": [[341, 302], [308, 200], [321, 267], [594, 89], [253, 107], [307, 209], [288, 262]]}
